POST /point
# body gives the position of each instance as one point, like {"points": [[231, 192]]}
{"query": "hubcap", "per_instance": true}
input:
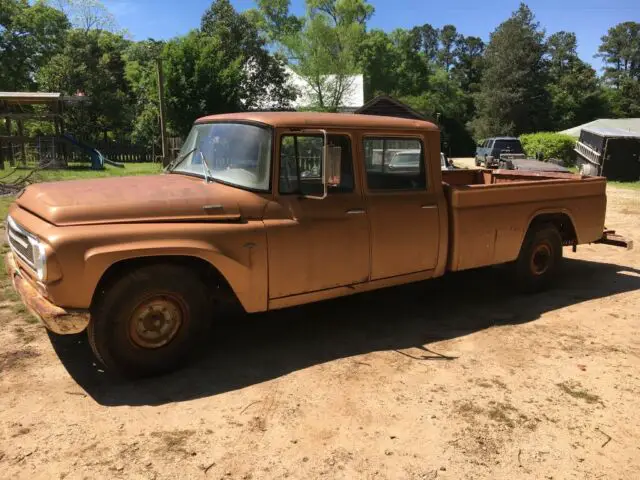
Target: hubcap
{"points": [[156, 321], [541, 259]]}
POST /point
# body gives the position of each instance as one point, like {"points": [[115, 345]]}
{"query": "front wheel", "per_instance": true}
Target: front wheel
{"points": [[539, 259], [149, 320]]}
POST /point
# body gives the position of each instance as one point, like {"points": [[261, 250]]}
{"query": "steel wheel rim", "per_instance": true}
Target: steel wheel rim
{"points": [[155, 322], [541, 259]]}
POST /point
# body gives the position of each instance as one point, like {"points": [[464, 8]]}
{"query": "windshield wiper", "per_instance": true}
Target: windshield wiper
{"points": [[179, 159], [207, 171]]}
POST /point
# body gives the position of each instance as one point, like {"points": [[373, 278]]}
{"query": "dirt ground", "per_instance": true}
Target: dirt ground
{"points": [[453, 378]]}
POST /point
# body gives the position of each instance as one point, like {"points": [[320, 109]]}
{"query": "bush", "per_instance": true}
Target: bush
{"points": [[550, 145]]}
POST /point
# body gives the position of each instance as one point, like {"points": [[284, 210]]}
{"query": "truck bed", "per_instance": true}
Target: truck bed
{"points": [[490, 211]]}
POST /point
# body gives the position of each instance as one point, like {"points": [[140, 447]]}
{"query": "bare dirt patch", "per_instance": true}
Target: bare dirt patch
{"points": [[455, 378]]}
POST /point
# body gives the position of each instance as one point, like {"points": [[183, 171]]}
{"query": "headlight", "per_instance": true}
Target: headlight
{"points": [[28, 247], [39, 258]]}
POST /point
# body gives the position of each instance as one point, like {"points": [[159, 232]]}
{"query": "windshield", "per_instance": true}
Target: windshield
{"points": [[235, 153]]}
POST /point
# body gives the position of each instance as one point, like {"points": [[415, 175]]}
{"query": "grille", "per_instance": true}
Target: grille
{"points": [[19, 242]]}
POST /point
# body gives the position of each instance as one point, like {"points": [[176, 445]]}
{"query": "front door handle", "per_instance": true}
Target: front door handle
{"points": [[356, 211], [429, 206]]}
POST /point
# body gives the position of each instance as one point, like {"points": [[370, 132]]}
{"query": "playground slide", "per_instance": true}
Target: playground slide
{"points": [[97, 159]]}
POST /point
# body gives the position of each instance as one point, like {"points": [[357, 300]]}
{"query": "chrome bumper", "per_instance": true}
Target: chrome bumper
{"points": [[55, 318]]}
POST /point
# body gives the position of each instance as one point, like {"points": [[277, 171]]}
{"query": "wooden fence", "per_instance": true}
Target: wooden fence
{"points": [[126, 152], [57, 151]]}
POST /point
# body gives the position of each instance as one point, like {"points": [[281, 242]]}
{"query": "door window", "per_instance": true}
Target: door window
{"points": [[301, 164], [394, 164]]}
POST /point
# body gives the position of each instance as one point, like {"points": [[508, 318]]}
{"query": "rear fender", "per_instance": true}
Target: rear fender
{"points": [[549, 211]]}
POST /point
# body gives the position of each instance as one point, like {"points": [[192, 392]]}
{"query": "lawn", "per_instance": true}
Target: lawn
{"points": [[631, 185], [74, 172]]}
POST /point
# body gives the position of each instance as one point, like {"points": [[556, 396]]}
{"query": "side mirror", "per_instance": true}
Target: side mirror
{"points": [[331, 167], [334, 165]]}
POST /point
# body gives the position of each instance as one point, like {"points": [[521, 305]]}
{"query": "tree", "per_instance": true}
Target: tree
{"points": [[200, 79], [29, 36], [141, 75], [264, 83], [448, 39], [379, 64], [87, 14], [469, 62], [620, 51], [222, 67], [322, 46], [576, 96], [429, 36], [411, 71], [92, 62], [512, 97]]}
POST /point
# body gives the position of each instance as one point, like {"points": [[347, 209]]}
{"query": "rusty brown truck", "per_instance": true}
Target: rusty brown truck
{"points": [[276, 210]]}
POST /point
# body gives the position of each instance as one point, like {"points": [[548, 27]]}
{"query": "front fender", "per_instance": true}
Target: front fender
{"points": [[244, 267]]}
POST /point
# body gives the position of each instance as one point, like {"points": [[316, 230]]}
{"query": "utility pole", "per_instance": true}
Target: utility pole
{"points": [[163, 118]]}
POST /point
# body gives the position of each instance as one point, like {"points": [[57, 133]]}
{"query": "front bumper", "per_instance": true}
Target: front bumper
{"points": [[55, 318]]}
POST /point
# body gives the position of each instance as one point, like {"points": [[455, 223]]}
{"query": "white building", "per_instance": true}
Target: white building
{"points": [[352, 98]]}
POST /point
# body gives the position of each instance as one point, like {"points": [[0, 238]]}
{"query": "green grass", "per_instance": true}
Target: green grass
{"points": [[629, 185], [4, 206], [74, 172]]}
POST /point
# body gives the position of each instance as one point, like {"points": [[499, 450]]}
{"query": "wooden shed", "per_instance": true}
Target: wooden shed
{"points": [[390, 107]]}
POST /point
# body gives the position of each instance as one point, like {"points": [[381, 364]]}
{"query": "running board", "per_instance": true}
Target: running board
{"points": [[609, 237]]}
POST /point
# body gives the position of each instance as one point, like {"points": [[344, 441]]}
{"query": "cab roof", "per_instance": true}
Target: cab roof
{"points": [[319, 119]]}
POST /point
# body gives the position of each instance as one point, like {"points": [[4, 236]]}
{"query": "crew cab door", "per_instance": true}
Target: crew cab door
{"points": [[315, 244], [402, 207]]}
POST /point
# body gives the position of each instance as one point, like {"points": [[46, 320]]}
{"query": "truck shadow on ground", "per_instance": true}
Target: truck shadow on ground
{"points": [[256, 348]]}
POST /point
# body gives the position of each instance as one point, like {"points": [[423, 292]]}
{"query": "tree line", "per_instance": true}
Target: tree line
{"points": [[521, 81]]}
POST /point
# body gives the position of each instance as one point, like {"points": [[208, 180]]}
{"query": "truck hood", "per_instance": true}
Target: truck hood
{"points": [[166, 197]]}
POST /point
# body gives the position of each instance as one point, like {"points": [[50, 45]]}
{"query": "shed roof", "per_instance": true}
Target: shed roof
{"points": [[388, 106], [612, 132], [30, 97], [627, 124]]}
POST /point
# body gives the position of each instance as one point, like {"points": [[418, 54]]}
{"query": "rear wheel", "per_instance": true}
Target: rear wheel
{"points": [[539, 259], [149, 321]]}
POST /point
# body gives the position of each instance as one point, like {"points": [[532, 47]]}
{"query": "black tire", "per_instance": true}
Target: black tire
{"points": [[477, 162], [540, 258], [141, 298]]}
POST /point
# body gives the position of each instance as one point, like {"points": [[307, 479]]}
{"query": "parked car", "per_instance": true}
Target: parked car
{"points": [[405, 161], [410, 161], [445, 163], [145, 264], [491, 151]]}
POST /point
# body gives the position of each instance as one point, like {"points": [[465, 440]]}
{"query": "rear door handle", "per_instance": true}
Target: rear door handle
{"points": [[356, 211]]}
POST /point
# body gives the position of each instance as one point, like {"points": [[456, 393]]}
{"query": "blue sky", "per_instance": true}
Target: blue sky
{"points": [[589, 19]]}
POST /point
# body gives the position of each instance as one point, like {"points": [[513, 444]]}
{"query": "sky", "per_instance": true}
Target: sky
{"points": [[589, 19]]}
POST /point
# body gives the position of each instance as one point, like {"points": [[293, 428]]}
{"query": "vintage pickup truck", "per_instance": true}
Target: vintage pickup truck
{"points": [[276, 210]]}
